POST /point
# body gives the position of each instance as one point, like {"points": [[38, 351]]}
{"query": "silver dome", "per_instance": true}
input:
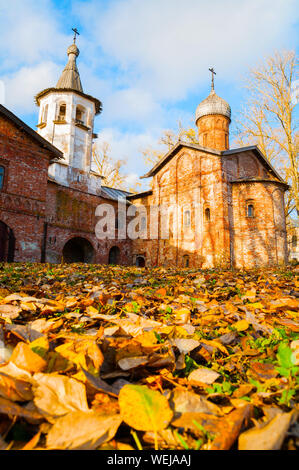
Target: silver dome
{"points": [[213, 104]]}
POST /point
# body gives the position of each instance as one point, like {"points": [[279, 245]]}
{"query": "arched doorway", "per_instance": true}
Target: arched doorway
{"points": [[114, 255], [7, 243], [78, 250], [140, 261]]}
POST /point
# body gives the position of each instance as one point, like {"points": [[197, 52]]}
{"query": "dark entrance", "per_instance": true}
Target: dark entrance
{"points": [[7, 243], [114, 255], [140, 261], [78, 250]]}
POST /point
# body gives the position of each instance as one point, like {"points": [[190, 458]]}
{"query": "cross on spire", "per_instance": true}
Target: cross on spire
{"points": [[75, 34], [213, 73]]}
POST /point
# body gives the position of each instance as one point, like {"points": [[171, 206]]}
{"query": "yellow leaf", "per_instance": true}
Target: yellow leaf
{"points": [[181, 316], [24, 358], [40, 346], [241, 325], [144, 409]]}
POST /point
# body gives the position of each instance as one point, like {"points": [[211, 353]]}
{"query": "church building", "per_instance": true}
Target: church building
{"points": [[227, 205]]}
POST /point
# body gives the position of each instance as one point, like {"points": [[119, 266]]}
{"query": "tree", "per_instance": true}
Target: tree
{"points": [[268, 119], [107, 167], [111, 169], [168, 139]]}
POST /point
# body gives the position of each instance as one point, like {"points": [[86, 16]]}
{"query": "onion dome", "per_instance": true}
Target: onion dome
{"points": [[213, 104], [70, 77]]}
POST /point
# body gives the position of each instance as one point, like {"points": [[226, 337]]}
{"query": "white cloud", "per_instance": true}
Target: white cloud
{"points": [[23, 85], [127, 146], [131, 104], [29, 32], [169, 45]]}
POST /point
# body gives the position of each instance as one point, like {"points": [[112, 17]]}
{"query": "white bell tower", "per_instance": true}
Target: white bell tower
{"points": [[66, 119]]}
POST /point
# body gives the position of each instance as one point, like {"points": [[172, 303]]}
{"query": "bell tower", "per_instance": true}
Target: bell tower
{"points": [[213, 119], [66, 119]]}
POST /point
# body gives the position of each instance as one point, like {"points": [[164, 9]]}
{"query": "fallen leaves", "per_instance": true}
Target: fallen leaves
{"points": [[24, 358], [82, 431], [144, 409], [89, 355]]}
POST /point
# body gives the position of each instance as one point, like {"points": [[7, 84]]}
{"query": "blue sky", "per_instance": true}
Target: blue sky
{"points": [[146, 60]]}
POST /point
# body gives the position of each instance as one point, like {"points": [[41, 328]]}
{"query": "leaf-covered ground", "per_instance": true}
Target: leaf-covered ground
{"points": [[111, 357]]}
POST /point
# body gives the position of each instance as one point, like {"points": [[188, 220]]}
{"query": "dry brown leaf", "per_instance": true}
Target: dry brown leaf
{"points": [[14, 389], [183, 401], [268, 437], [56, 395], [203, 375], [9, 312], [82, 431], [24, 358], [128, 363], [9, 408]]}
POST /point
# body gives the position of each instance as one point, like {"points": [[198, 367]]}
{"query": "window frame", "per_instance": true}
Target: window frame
{"points": [[61, 117], [186, 261], [187, 218], [2, 180], [250, 204], [207, 215]]}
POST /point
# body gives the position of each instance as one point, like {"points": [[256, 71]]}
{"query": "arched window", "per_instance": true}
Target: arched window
{"points": [[207, 214], [186, 261], [1, 177], [250, 209], [294, 241], [140, 261], [187, 219], [45, 113], [80, 115], [62, 112], [114, 255]]}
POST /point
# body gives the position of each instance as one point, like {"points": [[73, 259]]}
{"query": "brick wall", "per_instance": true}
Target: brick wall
{"points": [[71, 214], [23, 196]]}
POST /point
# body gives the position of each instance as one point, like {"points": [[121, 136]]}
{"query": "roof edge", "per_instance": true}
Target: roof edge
{"points": [[98, 103], [173, 150], [40, 140], [139, 195]]}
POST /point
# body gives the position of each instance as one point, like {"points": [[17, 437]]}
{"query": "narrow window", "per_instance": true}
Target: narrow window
{"points": [[1, 177], [170, 225], [207, 214], [250, 210], [187, 219], [294, 241], [45, 114], [186, 261], [62, 112], [79, 115], [205, 138]]}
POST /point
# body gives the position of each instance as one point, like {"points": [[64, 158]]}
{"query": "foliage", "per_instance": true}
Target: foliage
{"points": [[167, 140], [269, 120], [115, 357]]}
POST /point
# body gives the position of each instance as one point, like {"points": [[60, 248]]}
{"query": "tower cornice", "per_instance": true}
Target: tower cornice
{"points": [[41, 94]]}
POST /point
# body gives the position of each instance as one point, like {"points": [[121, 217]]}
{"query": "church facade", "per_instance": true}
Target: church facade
{"points": [[220, 206]]}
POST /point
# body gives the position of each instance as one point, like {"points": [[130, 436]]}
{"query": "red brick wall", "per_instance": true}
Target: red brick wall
{"points": [[23, 197], [229, 238], [70, 214]]}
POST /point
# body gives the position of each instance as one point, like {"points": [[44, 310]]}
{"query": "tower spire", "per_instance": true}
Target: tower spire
{"points": [[70, 77]]}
